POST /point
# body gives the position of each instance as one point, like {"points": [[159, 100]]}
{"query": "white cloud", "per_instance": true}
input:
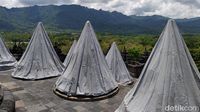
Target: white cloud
{"points": [[10, 3], [169, 8]]}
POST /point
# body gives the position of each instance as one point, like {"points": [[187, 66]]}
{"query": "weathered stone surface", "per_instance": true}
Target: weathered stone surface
{"points": [[8, 102], [38, 96], [20, 110], [19, 104]]}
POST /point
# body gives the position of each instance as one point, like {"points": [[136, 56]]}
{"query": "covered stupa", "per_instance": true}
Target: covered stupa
{"points": [[117, 66], [7, 60], [170, 77], [39, 60], [87, 77]]}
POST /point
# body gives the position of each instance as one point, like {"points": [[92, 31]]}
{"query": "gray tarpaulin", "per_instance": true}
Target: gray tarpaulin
{"points": [[69, 54], [6, 58], [117, 66], [169, 78], [87, 73], [40, 59]]}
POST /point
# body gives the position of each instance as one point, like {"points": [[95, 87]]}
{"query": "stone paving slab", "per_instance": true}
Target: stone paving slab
{"points": [[37, 96], [19, 104]]}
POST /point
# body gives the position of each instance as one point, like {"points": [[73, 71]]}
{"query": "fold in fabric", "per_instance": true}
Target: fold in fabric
{"points": [[87, 73], [39, 59], [169, 78], [69, 54]]}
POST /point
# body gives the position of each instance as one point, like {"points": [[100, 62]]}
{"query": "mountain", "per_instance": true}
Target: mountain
{"points": [[72, 18]]}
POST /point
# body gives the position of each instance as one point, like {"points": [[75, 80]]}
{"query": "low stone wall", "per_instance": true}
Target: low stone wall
{"points": [[8, 101], [135, 68]]}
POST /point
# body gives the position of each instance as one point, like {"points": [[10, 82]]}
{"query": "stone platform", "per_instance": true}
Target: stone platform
{"points": [[38, 96]]}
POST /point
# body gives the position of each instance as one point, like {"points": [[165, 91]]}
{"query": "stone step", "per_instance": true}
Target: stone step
{"points": [[19, 105]]}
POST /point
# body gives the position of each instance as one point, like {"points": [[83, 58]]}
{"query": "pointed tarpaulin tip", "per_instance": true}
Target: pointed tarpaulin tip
{"points": [[39, 24], [88, 23], [114, 43], [171, 23], [171, 20]]}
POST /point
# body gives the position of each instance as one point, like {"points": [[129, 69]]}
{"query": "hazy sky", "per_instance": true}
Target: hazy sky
{"points": [[169, 8]]}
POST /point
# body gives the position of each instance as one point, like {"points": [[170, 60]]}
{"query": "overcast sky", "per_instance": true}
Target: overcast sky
{"points": [[169, 8]]}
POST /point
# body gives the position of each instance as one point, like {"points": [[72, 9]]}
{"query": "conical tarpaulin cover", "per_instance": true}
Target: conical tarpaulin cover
{"points": [[117, 66], [40, 59], [87, 73], [69, 54], [170, 78], [6, 58]]}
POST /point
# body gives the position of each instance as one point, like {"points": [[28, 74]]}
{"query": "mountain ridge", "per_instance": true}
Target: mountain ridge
{"points": [[72, 18]]}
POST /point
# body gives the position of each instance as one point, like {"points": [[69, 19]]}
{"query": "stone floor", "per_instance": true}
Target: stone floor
{"points": [[37, 96]]}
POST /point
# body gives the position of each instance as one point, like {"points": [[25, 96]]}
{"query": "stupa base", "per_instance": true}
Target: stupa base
{"points": [[6, 66], [86, 98], [31, 79]]}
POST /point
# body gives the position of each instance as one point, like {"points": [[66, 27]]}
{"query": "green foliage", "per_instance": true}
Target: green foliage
{"points": [[135, 53], [135, 45], [16, 37]]}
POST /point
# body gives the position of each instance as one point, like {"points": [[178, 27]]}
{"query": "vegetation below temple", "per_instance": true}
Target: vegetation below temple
{"points": [[135, 45]]}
